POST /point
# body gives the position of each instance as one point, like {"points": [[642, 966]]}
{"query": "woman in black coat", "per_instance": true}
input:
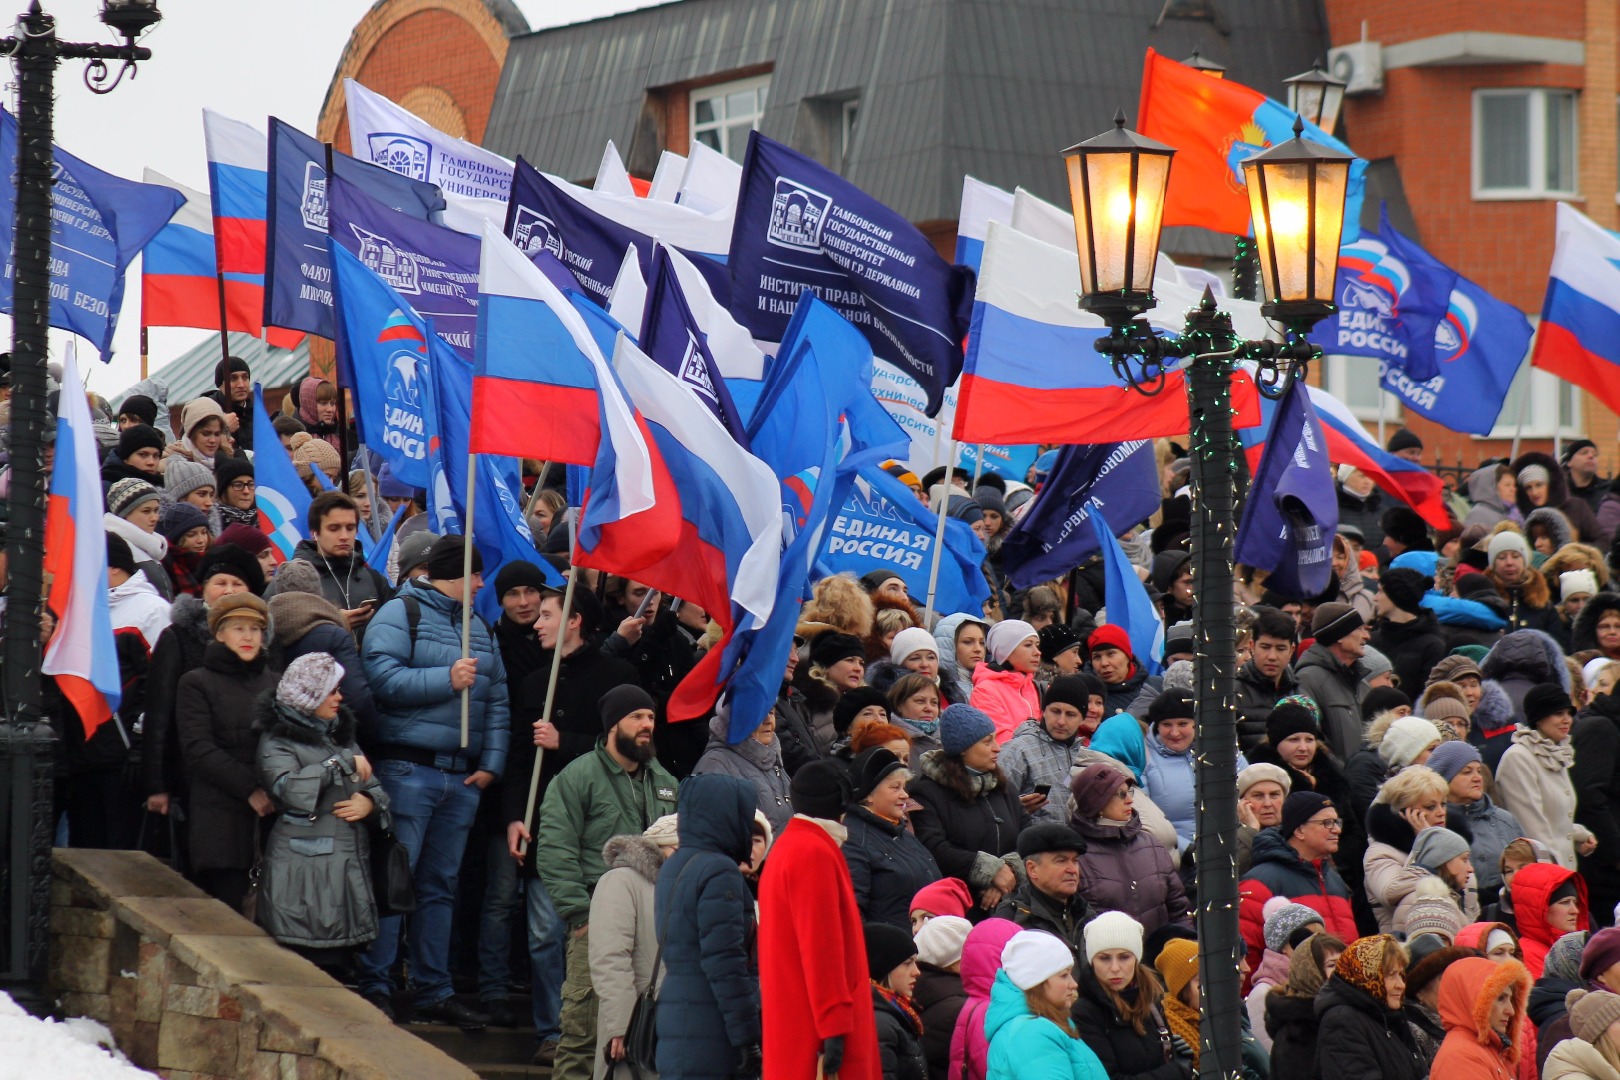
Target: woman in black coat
{"points": [[891, 962], [708, 1004], [214, 714], [1118, 1013], [939, 998], [1291, 1009], [964, 811], [1361, 1035], [887, 865]]}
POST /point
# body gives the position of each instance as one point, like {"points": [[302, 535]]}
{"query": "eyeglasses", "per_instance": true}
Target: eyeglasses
{"points": [[1330, 824], [242, 485]]}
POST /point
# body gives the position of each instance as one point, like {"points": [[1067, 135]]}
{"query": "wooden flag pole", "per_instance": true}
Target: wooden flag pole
{"points": [[466, 586], [939, 536], [551, 680]]}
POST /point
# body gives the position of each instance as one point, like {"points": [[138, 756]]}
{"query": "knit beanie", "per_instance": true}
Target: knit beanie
{"points": [[830, 647], [1434, 847], [119, 555], [820, 789], [1033, 956], [1591, 1012], [1179, 675], [1543, 700], [1454, 667], [665, 832], [851, 703], [227, 469], [129, 494], [1601, 953], [294, 576], [887, 947], [246, 537], [139, 437], [1506, 540], [182, 477], [447, 559], [316, 453], [940, 940], [1405, 589], [1374, 664], [1178, 963], [1333, 621], [1261, 771], [223, 369], [1109, 636], [177, 519], [1451, 758], [1093, 786], [1575, 583], [230, 559], [1446, 708], [947, 896], [1405, 739], [1283, 917], [1434, 915], [1170, 705], [308, 681], [1382, 699], [1403, 439], [1113, 930], [621, 701], [1072, 690], [1056, 639], [1532, 474], [1006, 636], [1290, 718], [913, 639], [142, 407], [238, 606], [989, 498], [518, 573], [413, 552], [1300, 807], [1564, 958], [960, 726]]}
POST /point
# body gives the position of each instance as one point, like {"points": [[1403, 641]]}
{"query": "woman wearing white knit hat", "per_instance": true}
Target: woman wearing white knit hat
{"points": [[1119, 1013], [1030, 1032]]}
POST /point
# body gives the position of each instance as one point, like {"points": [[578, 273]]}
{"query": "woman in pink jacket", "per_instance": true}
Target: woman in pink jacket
{"points": [[981, 959], [1004, 685]]}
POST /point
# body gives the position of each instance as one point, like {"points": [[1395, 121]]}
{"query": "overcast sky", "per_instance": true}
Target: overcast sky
{"points": [[248, 59]]}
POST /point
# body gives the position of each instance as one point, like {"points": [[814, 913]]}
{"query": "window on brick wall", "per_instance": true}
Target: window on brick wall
{"points": [[1524, 144], [1354, 381], [1549, 407], [724, 114]]}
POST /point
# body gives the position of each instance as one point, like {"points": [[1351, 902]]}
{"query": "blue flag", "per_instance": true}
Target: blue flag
{"points": [[542, 217], [1479, 344], [380, 551], [1126, 599], [499, 531], [1293, 510], [815, 431], [434, 269], [99, 222], [882, 526], [1052, 538], [671, 337], [279, 495], [802, 228], [297, 266]]}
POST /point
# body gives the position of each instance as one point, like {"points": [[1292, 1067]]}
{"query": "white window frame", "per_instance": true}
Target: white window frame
{"points": [[1339, 372], [1541, 420], [848, 117], [1537, 188], [718, 92]]}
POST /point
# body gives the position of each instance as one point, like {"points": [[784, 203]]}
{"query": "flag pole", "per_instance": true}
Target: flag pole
{"points": [[978, 468], [939, 538], [1524, 412], [145, 352], [1382, 440], [551, 680], [371, 491], [534, 496], [466, 585]]}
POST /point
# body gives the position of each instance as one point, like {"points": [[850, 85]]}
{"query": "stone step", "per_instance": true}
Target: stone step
{"points": [[508, 1071], [492, 1046]]}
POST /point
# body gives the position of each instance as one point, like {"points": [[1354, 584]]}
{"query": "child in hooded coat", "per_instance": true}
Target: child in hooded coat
{"points": [[981, 959], [1478, 1045]]}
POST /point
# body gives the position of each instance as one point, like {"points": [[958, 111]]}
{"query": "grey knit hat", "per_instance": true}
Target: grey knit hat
{"points": [[1435, 847], [294, 575], [1374, 663], [308, 681], [1564, 958], [413, 551], [182, 477], [128, 494], [1283, 919]]}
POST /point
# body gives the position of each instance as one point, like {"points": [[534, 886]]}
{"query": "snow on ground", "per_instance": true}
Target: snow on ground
{"points": [[35, 1049]]}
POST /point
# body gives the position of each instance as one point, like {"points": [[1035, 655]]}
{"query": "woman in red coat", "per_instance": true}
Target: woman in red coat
{"points": [[815, 990]]}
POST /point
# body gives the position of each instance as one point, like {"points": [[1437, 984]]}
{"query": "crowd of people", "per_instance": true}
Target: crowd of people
{"points": [[957, 848]]}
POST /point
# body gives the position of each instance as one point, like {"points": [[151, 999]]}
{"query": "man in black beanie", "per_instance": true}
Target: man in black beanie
{"points": [[233, 391], [1330, 672], [1294, 860], [1580, 461], [1037, 760], [137, 409], [1404, 444], [135, 456], [1403, 629]]}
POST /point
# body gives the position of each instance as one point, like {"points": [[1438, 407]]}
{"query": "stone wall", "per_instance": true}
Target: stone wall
{"points": [[193, 991]]}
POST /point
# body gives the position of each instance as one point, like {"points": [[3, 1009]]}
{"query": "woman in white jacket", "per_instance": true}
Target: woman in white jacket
{"points": [[1532, 781]]}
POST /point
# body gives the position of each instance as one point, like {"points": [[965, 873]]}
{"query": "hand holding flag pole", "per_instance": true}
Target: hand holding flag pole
{"points": [[551, 680]]}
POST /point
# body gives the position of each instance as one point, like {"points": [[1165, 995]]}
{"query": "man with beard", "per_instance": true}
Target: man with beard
{"points": [[616, 789]]}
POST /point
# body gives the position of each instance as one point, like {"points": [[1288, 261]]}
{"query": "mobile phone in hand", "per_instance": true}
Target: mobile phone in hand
{"points": [[1042, 789]]}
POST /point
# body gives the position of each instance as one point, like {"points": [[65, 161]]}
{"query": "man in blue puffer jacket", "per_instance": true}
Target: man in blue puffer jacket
{"points": [[412, 656]]}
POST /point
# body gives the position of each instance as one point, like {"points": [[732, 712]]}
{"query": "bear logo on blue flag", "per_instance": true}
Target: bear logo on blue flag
{"points": [[401, 153], [401, 382], [533, 233], [797, 215], [313, 203], [394, 265], [1453, 333]]}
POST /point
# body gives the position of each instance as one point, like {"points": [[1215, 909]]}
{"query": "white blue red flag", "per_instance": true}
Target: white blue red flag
{"points": [[1579, 336]]}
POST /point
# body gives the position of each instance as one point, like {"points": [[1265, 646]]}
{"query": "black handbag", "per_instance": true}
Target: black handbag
{"points": [[641, 1036], [392, 886]]}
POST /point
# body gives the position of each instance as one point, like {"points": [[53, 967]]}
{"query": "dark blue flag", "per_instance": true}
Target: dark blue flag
{"points": [[1052, 538], [1478, 345], [801, 227], [882, 526], [1292, 511], [671, 337], [434, 269], [99, 222], [297, 270], [540, 216]]}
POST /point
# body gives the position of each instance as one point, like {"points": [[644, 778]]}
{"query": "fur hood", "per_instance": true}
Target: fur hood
{"points": [[1468, 993], [636, 852], [950, 774], [1495, 708], [1557, 489], [1554, 521], [281, 722], [189, 616], [1576, 556], [1529, 654], [1584, 635]]}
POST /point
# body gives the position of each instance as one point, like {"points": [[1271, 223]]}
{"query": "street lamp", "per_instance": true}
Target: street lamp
{"points": [[1297, 194], [27, 744], [1316, 96], [1208, 67]]}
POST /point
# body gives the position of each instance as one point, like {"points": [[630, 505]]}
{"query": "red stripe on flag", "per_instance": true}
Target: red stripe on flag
{"points": [[520, 418], [241, 245], [173, 300], [991, 411], [1559, 351], [60, 540]]}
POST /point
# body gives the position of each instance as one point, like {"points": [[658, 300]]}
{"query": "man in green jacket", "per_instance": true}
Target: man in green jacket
{"points": [[618, 788]]}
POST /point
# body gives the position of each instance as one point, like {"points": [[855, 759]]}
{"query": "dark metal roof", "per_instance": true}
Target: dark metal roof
{"points": [[991, 88]]}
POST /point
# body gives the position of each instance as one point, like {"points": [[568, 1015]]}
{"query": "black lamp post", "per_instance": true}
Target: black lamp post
{"points": [[1117, 183], [27, 744]]}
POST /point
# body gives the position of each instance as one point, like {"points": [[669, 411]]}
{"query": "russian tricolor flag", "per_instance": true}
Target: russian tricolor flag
{"points": [[1348, 443], [81, 653], [239, 182], [179, 270], [1032, 374], [982, 203], [1579, 336]]}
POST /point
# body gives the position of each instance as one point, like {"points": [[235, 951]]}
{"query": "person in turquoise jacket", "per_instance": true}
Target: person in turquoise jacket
{"points": [[1031, 1036]]}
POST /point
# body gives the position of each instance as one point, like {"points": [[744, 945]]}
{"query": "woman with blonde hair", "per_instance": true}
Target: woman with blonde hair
{"points": [[1594, 1052], [1412, 800]]}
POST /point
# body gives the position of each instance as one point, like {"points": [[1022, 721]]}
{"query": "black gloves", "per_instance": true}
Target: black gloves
{"points": [[832, 1054], [750, 1063]]}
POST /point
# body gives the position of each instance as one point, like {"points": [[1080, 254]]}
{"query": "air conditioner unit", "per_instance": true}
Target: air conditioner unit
{"points": [[1360, 65]]}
